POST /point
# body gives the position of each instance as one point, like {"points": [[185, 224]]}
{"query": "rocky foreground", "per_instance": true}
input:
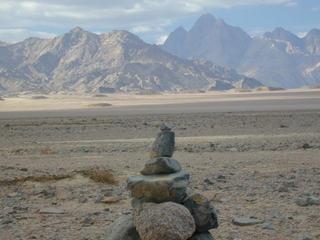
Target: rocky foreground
{"points": [[65, 178], [163, 205]]}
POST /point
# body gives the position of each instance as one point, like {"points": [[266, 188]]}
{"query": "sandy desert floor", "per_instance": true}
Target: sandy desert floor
{"points": [[253, 164]]}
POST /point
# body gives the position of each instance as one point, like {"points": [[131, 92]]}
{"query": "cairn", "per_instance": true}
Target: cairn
{"points": [[163, 205]]}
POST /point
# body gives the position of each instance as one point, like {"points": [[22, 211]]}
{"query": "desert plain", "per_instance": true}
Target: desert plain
{"points": [[64, 160]]}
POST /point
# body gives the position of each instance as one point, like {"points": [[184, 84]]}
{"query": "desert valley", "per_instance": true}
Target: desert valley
{"points": [[80, 112]]}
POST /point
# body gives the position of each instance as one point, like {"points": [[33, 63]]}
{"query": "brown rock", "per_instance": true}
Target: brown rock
{"points": [[169, 221], [159, 188], [110, 200], [161, 165]]}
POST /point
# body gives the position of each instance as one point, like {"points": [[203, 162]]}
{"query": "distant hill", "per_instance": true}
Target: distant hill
{"points": [[278, 58], [81, 61], [3, 43]]}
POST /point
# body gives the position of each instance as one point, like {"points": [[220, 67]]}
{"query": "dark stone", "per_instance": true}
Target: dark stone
{"points": [[203, 212], [164, 143], [202, 236], [161, 165], [122, 229]]}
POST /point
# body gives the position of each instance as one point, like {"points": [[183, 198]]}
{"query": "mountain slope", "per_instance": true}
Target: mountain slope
{"points": [[312, 42], [211, 39], [81, 61], [278, 58]]}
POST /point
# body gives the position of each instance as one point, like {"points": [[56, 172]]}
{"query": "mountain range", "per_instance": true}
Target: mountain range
{"points": [[84, 62], [278, 58]]}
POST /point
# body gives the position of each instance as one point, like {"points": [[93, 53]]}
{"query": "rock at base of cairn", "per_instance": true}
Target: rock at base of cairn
{"points": [[202, 236], [161, 165], [159, 188], [201, 209], [163, 145], [169, 221], [122, 229]]}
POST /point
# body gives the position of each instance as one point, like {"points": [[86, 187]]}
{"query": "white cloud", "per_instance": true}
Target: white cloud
{"points": [[141, 29], [141, 16], [18, 34], [302, 34]]}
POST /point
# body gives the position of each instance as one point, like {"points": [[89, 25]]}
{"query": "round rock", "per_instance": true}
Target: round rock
{"points": [[170, 221], [203, 212], [161, 165], [159, 188]]}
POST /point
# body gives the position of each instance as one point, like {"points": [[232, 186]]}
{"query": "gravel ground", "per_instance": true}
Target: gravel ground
{"points": [[57, 175]]}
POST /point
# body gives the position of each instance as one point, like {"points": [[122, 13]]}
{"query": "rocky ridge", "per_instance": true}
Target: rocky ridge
{"points": [[278, 58], [84, 62]]}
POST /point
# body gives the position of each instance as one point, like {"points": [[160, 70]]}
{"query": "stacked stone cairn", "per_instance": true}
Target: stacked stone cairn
{"points": [[164, 208]]}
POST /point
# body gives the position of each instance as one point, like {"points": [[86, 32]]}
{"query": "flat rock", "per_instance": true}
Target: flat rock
{"points": [[161, 165], [307, 200], [246, 221], [202, 236], [110, 200], [268, 226], [169, 221], [159, 188], [122, 229], [52, 210], [202, 210]]}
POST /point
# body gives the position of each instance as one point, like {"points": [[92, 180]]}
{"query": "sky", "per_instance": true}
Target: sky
{"points": [[152, 20]]}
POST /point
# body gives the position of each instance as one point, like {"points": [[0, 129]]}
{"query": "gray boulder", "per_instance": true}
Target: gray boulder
{"points": [[159, 188], [164, 143], [202, 236], [169, 221], [202, 210], [161, 165], [122, 229]]}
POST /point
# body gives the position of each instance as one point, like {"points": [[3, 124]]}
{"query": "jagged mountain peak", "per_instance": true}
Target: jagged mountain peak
{"points": [[180, 30], [81, 61], [77, 30], [312, 41], [209, 38], [205, 23], [123, 35], [282, 34], [122, 38], [313, 33], [208, 22], [206, 18], [277, 58]]}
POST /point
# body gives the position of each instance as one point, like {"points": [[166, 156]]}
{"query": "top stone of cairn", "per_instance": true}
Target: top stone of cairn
{"points": [[163, 146]]}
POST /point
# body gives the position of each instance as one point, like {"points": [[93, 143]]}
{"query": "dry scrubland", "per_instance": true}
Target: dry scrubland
{"points": [[248, 163]]}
